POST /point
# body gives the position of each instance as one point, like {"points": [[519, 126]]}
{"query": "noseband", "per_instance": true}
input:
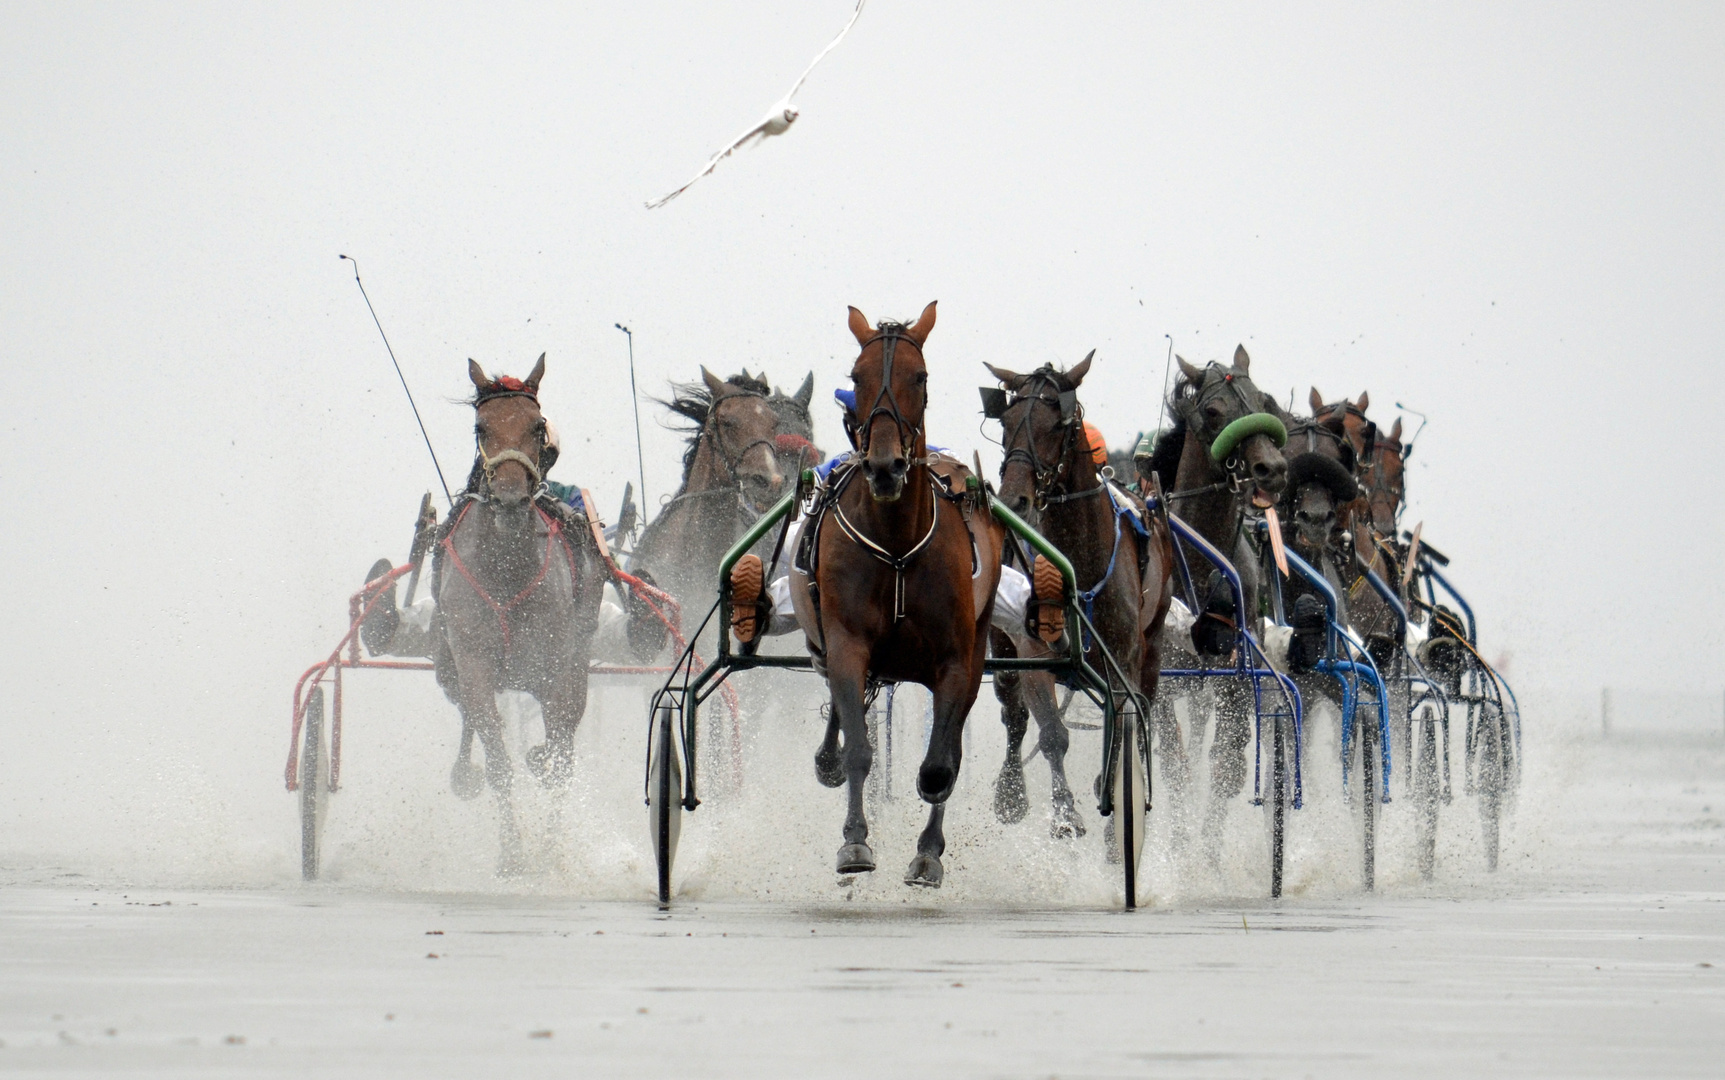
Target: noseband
{"points": [[886, 402]]}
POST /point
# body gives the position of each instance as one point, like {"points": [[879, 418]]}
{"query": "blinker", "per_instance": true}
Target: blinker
{"points": [[993, 402], [1068, 405]]}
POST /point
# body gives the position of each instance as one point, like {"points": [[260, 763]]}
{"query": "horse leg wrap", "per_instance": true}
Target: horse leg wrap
{"points": [[747, 581], [1048, 594]]}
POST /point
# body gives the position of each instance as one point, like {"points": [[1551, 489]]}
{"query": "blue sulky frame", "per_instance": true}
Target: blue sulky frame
{"points": [[1277, 705], [672, 733], [1491, 753]]}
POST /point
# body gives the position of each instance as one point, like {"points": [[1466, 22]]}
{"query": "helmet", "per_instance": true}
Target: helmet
{"points": [[1098, 445]]}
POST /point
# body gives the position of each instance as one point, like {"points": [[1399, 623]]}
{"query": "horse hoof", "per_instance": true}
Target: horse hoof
{"points": [[856, 859], [935, 783], [1067, 825], [925, 871], [1010, 802], [828, 770], [466, 780], [547, 766]]}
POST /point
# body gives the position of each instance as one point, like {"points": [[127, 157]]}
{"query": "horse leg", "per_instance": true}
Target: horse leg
{"points": [[563, 703], [925, 869], [847, 672], [1053, 740], [1010, 801], [464, 777], [954, 692], [479, 710]]}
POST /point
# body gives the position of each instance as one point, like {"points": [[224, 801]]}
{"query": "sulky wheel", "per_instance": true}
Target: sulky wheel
{"points": [[1490, 777], [1368, 742], [313, 789], [1426, 784], [1279, 799], [1130, 796], [665, 797]]}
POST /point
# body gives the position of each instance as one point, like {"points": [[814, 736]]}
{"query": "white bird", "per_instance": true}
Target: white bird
{"points": [[777, 121]]}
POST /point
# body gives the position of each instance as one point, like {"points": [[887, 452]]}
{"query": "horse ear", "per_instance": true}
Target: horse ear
{"points": [[1365, 401], [1012, 380], [717, 385], [1080, 369], [532, 381], [860, 328], [1316, 401], [480, 380], [1396, 430], [806, 392], [918, 330], [1192, 372], [1241, 360]]}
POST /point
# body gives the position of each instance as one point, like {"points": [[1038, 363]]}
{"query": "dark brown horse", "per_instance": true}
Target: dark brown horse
{"points": [[895, 581], [1049, 473], [1216, 497], [1370, 521], [518, 586], [734, 468]]}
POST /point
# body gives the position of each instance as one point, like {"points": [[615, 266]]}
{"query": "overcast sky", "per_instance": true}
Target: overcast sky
{"points": [[1507, 216]]}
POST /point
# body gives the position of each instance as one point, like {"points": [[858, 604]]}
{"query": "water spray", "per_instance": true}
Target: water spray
{"points": [[403, 378]]}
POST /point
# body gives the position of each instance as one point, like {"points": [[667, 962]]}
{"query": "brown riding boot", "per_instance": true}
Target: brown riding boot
{"points": [[1048, 595], [747, 581]]}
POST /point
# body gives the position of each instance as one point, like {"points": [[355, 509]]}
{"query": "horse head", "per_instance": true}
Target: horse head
{"points": [[511, 437], [794, 439], [1381, 464], [741, 428], [1231, 416], [1385, 479], [892, 395], [1321, 484], [1042, 431]]}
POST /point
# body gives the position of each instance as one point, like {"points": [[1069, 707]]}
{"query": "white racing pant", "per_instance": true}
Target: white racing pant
{"points": [[1011, 601]]}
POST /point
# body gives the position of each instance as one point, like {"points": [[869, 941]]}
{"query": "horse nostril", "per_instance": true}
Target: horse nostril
{"points": [[900, 466]]}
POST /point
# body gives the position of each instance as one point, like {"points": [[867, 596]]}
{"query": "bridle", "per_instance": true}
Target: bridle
{"points": [[1191, 408], [733, 462], [1050, 481], [488, 465], [885, 402]]}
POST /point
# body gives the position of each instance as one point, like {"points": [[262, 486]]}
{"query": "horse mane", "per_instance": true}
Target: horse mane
{"points": [[1165, 456], [693, 401]]}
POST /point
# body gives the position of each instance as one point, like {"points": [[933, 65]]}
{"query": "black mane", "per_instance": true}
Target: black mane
{"points": [[693, 401]]}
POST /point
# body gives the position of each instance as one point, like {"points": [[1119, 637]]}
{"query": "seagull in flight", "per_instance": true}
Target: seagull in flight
{"points": [[777, 121]]}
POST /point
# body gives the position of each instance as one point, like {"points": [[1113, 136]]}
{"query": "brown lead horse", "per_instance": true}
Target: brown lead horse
{"points": [[896, 572], [518, 583]]}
